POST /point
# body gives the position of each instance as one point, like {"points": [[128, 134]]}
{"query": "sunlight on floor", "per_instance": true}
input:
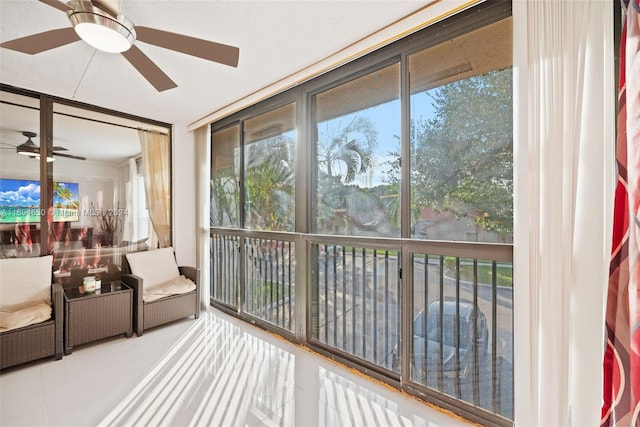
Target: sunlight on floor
{"points": [[219, 371]]}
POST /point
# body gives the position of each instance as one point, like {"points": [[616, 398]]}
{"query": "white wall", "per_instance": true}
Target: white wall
{"points": [[97, 182], [184, 196]]}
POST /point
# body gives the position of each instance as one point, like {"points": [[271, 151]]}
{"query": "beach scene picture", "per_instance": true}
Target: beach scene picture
{"points": [[20, 201]]}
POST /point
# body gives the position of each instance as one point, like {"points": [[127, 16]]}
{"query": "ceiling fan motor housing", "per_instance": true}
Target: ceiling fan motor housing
{"points": [[100, 29], [102, 26]]}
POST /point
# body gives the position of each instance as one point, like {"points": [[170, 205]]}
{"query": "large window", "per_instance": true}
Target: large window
{"points": [[357, 127], [253, 171], [462, 138], [401, 263], [269, 170], [225, 177]]}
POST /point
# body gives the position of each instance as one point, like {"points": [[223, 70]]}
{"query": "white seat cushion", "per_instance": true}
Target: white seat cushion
{"points": [[25, 316], [25, 281], [178, 285], [154, 267]]}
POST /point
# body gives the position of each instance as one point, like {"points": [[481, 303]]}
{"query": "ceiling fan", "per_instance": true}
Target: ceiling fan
{"points": [[29, 148], [100, 24]]}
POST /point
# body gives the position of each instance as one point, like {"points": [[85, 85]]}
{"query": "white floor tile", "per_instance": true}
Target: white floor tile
{"points": [[215, 371]]}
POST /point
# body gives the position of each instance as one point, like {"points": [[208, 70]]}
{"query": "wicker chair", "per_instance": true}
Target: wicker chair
{"points": [[149, 268], [25, 280]]}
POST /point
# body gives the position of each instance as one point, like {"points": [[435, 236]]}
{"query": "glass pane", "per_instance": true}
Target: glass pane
{"points": [[104, 172], [463, 329], [20, 211], [462, 138], [225, 176], [357, 175], [356, 301], [269, 165], [225, 268], [269, 278]]}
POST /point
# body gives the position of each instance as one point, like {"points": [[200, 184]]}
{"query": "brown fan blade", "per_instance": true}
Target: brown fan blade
{"points": [[57, 4], [205, 49], [107, 6], [148, 69], [41, 42], [69, 156]]}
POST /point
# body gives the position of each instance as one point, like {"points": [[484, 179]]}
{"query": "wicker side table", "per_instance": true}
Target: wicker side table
{"points": [[93, 316]]}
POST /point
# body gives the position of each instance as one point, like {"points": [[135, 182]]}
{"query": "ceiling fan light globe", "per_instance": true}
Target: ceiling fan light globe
{"points": [[101, 30], [104, 38], [27, 149]]}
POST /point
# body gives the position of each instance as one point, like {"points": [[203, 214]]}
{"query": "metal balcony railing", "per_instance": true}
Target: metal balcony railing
{"points": [[356, 300], [269, 280], [437, 317]]}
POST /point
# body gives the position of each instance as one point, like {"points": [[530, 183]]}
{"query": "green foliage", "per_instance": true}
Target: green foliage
{"points": [[262, 293], [66, 194], [504, 273], [342, 154], [348, 151], [224, 198], [269, 184], [462, 156]]}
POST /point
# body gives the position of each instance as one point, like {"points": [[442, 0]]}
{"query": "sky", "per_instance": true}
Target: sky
{"points": [[23, 193], [386, 117]]}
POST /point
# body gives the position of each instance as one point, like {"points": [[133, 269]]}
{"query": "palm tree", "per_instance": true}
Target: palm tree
{"points": [[342, 154], [350, 150], [64, 193], [269, 184]]}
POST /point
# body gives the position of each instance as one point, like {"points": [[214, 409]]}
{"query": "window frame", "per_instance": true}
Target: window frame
{"points": [[463, 22]]}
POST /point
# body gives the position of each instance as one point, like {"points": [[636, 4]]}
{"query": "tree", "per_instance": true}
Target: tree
{"points": [[224, 198], [349, 150], [269, 184], [63, 192], [462, 156], [342, 154]]}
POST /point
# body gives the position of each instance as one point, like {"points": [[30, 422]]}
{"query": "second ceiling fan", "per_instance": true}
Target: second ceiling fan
{"points": [[29, 148], [100, 23]]}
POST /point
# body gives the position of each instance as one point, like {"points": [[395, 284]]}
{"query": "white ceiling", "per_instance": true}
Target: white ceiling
{"points": [[276, 39]]}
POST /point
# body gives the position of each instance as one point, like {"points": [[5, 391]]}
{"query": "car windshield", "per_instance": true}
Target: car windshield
{"points": [[448, 330]]}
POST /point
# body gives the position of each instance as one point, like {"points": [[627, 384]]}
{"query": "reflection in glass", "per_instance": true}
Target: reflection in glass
{"points": [[358, 130], [20, 211], [356, 301], [101, 166], [269, 164], [225, 176]]}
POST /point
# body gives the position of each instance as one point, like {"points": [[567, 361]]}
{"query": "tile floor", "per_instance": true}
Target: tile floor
{"points": [[215, 371]]}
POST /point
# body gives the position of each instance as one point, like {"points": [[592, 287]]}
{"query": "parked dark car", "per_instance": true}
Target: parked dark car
{"points": [[428, 336]]}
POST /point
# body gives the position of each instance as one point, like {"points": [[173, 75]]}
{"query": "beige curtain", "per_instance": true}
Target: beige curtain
{"points": [[156, 171], [130, 223]]}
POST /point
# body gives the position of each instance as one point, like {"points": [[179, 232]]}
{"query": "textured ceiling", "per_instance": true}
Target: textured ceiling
{"points": [[276, 39]]}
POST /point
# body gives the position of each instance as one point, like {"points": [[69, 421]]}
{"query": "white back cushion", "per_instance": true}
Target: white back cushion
{"points": [[155, 266], [25, 280]]}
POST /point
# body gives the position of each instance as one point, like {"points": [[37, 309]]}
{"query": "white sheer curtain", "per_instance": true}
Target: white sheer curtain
{"points": [[564, 129], [156, 171], [202, 168], [131, 188]]}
